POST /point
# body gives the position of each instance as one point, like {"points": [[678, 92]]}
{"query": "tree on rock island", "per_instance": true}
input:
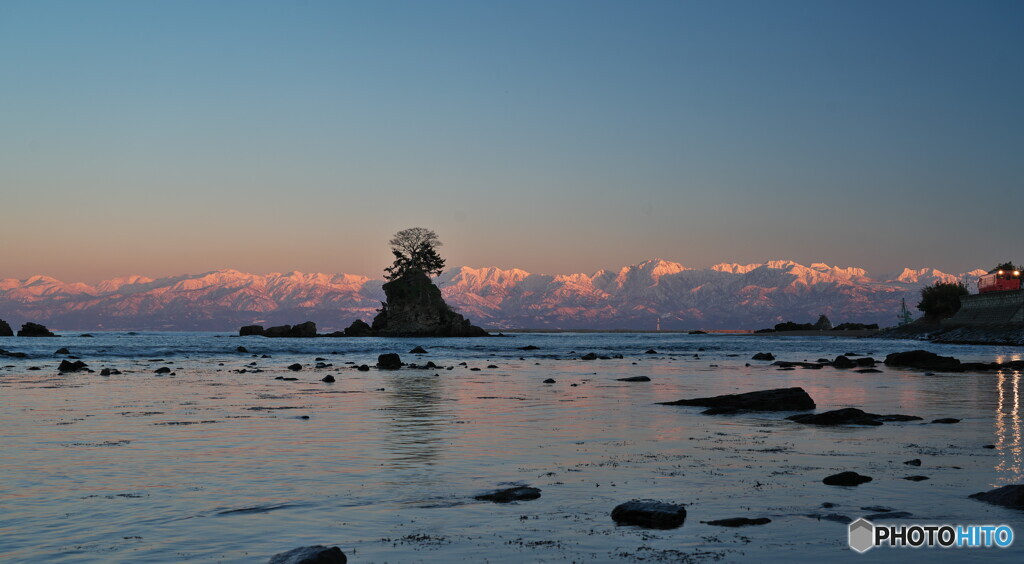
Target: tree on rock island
{"points": [[415, 250]]}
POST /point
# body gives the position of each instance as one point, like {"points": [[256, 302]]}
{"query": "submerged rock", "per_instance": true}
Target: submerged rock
{"points": [[946, 420], [780, 399], [763, 356], [1008, 496], [389, 361], [508, 495], [634, 379], [846, 479], [310, 555], [848, 416], [418, 350], [650, 514], [843, 362], [589, 356], [923, 360], [35, 330], [916, 478], [739, 522], [529, 348]]}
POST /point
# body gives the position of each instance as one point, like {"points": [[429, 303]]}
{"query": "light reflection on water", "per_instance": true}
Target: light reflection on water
{"points": [[220, 466]]}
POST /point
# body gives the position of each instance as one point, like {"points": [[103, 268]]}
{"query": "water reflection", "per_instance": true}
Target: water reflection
{"points": [[414, 420], [1008, 427]]}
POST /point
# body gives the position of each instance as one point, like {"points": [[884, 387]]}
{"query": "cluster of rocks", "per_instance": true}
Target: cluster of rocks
{"points": [[27, 330], [823, 324]]}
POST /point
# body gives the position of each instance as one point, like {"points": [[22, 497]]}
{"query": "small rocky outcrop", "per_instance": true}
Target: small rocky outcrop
{"points": [[924, 360], [649, 514], [389, 361], [359, 328], [763, 356], [310, 555], [250, 330], [508, 495], [305, 330], [846, 479], [823, 323], [418, 350], [76, 366], [848, 416], [5, 329], [634, 379], [35, 330], [415, 308], [779, 399], [843, 361], [739, 522], [1008, 496]]}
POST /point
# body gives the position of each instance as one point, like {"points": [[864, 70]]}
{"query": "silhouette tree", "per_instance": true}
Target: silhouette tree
{"points": [[415, 250], [1005, 267], [941, 300]]}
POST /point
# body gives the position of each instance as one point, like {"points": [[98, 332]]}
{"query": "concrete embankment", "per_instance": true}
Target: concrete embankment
{"points": [[995, 318]]}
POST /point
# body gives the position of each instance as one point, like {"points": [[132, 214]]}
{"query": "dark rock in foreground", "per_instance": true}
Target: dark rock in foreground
{"points": [[1008, 496], [310, 555], [924, 360], [763, 356], [529, 348], [418, 350], [35, 330], [843, 362], [649, 514], [848, 416], [415, 308], [295, 367], [946, 420], [5, 329], [76, 366], [589, 356], [327, 379], [389, 361], [739, 522], [508, 495], [549, 381], [634, 379], [780, 399], [846, 479], [916, 478]]}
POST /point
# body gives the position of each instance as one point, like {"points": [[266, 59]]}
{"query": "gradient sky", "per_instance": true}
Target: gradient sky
{"points": [[175, 137]]}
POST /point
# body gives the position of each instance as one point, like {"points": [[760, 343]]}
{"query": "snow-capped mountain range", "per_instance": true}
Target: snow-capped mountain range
{"points": [[725, 296]]}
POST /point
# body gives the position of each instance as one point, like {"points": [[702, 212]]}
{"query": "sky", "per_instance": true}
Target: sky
{"points": [[164, 138]]}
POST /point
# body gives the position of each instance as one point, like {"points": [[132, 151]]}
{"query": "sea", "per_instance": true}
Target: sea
{"points": [[232, 456]]}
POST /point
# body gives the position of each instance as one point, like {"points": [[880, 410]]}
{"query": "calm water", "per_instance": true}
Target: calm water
{"points": [[211, 465]]}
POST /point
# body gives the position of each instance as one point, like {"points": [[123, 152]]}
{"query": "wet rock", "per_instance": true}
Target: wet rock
{"points": [[162, 370], [923, 360], [86, 335], [12, 354], [780, 399], [916, 478], [589, 356], [327, 379], [988, 446], [250, 330], [1006, 496], [946, 420], [889, 515], [492, 366], [35, 330], [363, 368], [109, 372], [914, 462], [389, 361], [739, 522], [310, 555], [295, 367], [418, 350], [846, 479], [5, 329], [323, 365], [868, 371], [242, 350], [650, 351], [76, 366], [848, 416], [634, 379], [787, 364], [835, 517], [763, 356], [359, 328], [62, 350], [866, 361], [529, 348], [843, 362], [649, 514], [549, 381], [508, 495]]}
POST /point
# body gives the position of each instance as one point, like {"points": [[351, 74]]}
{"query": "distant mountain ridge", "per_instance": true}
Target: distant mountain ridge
{"points": [[724, 296]]}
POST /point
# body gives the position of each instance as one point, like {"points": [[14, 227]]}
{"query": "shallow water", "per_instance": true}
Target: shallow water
{"points": [[208, 464]]}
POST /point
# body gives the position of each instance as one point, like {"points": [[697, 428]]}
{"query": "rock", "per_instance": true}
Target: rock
{"points": [[923, 360], [278, 331], [34, 330], [914, 462], [529, 348], [327, 379], [889, 515], [1008, 496], [589, 356], [846, 479], [786, 364], [848, 416], [359, 328], [5, 329], [418, 350], [389, 361], [650, 351], [634, 379], [866, 361], [109, 372], [62, 350], [305, 330], [162, 370], [823, 324], [780, 399], [310, 555], [549, 381], [739, 522], [492, 366], [12, 354], [76, 366], [250, 330], [242, 350], [295, 367], [946, 420], [86, 335], [868, 371], [415, 308], [519, 493], [843, 362], [763, 356], [363, 368], [649, 514], [916, 478]]}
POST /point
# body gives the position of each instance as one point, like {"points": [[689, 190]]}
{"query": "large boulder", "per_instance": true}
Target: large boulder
{"points": [[389, 361], [779, 399], [649, 514], [415, 308], [1007, 496], [250, 330], [359, 328], [310, 555], [305, 330], [277, 331], [924, 360], [5, 329], [34, 330]]}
